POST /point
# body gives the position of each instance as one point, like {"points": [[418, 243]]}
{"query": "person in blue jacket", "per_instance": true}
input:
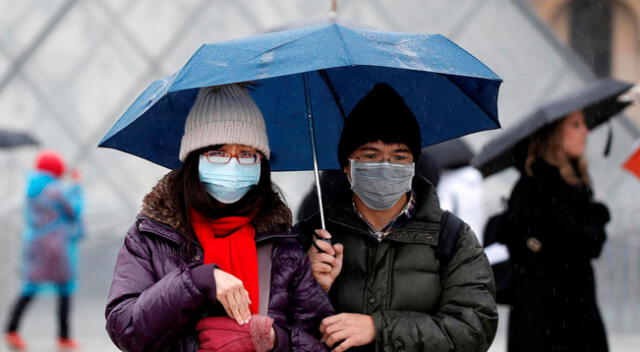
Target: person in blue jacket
{"points": [[53, 226]]}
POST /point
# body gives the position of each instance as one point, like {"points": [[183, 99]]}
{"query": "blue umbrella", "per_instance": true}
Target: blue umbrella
{"points": [[320, 71]]}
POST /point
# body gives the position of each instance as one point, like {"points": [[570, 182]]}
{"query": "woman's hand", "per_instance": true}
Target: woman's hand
{"points": [[231, 293], [326, 264]]}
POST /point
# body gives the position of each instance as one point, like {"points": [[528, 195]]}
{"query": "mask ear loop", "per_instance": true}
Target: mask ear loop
{"points": [[352, 179]]}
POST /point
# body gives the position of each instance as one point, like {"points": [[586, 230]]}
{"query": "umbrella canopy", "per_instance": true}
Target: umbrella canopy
{"points": [[10, 139], [598, 99], [450, 91]]}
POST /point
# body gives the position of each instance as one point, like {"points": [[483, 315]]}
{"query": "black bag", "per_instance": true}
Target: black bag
{"points": [[450, 228], [497, 230]]}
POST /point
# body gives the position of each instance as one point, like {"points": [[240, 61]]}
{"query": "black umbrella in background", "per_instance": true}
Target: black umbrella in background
{"points": [[450, 155], [12, 139], [598, 100]]}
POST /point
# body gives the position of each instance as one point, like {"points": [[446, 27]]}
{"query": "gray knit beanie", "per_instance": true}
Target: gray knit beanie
{"points": [[224, 115]]}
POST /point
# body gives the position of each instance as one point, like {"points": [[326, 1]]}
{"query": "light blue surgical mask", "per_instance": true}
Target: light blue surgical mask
{"points": [[229, 182], [381, 184]]}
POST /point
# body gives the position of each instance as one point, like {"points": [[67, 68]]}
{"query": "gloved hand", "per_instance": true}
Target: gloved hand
{"points": [[225, 334]]}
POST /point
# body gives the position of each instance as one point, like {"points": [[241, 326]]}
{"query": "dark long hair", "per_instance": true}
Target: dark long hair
{"points": [[191, 193]]}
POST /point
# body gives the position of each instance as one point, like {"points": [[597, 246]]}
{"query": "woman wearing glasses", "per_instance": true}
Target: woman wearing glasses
{"points": [[210, 263]]}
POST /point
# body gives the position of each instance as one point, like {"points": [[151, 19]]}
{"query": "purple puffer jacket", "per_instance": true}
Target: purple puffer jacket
{"points": [[154, 302]]}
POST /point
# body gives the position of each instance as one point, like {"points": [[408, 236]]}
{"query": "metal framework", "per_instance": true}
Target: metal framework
{"points": [[194, 20]]}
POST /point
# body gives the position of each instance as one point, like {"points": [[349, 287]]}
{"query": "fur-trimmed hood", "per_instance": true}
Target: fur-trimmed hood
{"points": [[159, 205]]}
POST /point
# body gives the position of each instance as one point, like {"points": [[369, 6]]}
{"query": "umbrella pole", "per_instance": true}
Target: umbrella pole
{"points": [[333, 11], [316, 173]]}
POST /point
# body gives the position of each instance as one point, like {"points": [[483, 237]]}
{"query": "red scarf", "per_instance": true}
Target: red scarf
{"points": [[230, 243]]}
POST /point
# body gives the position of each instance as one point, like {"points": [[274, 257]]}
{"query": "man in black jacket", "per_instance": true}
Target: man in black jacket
{"points": [[400, 280]]}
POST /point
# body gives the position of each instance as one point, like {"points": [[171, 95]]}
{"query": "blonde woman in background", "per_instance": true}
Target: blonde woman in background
{"points": [[557, 229]]}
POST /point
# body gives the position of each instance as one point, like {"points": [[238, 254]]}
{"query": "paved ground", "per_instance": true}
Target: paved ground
{"points": [[617, 342], [88, 321]]}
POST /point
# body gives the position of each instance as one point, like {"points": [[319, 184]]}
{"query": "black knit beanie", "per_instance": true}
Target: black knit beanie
{"points": [[383, 116]]}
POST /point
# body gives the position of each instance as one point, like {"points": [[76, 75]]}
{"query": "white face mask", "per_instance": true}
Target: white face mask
{"points": [[229, 182], [380, 185]]}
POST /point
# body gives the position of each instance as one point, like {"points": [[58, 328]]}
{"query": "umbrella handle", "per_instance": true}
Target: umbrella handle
{"points": [[316, 237]]}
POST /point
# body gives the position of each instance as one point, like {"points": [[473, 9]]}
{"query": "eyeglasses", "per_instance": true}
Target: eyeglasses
{"points": [[379, 157], [220, 157]]}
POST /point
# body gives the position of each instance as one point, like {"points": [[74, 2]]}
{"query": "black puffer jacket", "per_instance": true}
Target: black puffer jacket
{"points": [[555, 231]]}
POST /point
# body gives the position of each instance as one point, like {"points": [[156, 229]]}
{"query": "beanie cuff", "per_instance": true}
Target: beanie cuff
{"points": [[224, 132]]}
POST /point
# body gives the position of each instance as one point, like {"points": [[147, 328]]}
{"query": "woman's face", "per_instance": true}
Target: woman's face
{"points": [[573, 134], [229, 172]]}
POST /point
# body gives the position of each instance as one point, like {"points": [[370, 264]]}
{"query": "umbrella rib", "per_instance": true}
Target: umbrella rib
{"points": [[344, 44], [334, 94], [278, 46]]}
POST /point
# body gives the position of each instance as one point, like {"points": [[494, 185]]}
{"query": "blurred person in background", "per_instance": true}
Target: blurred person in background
{"points": [[403, 274], [460, 190], [555, 230], [211, 263], [53, 226], [459, 184]]}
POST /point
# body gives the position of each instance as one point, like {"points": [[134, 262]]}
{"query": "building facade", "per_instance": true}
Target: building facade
{"points": [[604, 33]]}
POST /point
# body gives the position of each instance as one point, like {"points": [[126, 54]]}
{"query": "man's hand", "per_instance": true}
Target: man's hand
{"points": [[325, 265], [352, 329]]}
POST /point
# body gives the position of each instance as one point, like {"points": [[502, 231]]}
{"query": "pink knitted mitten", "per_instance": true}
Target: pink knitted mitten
{"points": [[260, 330]]}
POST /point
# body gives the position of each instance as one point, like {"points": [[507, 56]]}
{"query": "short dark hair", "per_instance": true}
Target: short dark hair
{"points": [[381, 115]]}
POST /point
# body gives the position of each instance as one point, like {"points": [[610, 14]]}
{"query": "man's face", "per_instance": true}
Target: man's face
{"points": [[378, 151]]}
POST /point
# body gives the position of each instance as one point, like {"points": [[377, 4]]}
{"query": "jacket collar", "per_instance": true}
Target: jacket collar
{"points": [[548, 176], [422, 228], [160, 215]]}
